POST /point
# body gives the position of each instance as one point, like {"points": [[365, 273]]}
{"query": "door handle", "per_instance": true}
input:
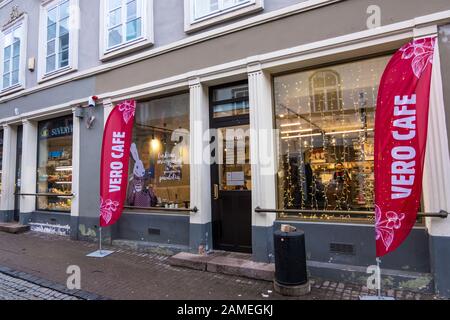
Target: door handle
{"points": [[216, 192]]}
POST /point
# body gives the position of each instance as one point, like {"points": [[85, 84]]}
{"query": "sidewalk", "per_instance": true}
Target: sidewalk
{"points": [[132, 275]]}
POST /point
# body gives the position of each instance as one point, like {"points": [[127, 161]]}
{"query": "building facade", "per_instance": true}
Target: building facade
{"points": [[293, 83]]}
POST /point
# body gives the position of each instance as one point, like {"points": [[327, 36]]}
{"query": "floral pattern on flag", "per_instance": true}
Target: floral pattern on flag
{"points": [[421, 52], [128, 109]]}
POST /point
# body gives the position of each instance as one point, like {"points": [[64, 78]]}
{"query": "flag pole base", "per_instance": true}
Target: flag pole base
{"points": [[100, 254]]}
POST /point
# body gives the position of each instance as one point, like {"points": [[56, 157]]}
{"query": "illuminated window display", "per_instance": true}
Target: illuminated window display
{"points": [[159, 164], [55, 164], [326, 120]]}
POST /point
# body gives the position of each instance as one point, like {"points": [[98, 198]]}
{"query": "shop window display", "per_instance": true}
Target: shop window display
{"points": [[159, 164], [55, 164], [326, 123]]}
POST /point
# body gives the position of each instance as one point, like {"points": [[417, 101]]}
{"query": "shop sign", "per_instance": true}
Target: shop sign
{"points": [[117, 138], [400, 141], [61, 131]]}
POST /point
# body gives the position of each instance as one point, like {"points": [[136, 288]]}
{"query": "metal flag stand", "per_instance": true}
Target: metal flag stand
{"points": [[100, 253], [378, 297]]}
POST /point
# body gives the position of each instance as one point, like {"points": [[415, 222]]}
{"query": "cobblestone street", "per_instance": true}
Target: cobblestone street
{"points": [[38, 261], [17, 289]]}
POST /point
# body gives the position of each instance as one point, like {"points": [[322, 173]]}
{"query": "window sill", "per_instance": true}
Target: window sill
{"points": [[193, 26], [56, 74], [126, 48], [11, 90]]}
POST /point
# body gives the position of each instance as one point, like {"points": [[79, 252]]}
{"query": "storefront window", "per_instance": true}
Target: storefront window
{"points": [[55, 164], [159, 165], [326, 123], [1, 158]]}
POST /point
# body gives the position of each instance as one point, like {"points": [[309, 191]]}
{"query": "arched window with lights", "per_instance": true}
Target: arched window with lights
{"points": [[325, 90]]}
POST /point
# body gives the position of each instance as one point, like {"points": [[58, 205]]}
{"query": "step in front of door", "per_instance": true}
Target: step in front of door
{"points": [[225, 264], [13, 228]]}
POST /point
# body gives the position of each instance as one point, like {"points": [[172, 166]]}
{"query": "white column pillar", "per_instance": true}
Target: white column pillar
{"points": [[264, 161], [200, 222], [8, 171], [76, 154], [436, 183], [29, 164], [107, 109]]}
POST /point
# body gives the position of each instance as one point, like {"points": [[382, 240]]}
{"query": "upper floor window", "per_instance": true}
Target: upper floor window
{"points": [[126, 24], [59, 37], [203, 13], [204, 8], [12, 55], [124, 21]]}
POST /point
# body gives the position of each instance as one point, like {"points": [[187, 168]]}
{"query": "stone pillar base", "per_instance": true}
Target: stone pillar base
{"points": [[292, 291]]}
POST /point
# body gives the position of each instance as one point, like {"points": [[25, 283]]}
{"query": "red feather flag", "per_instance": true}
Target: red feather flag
{"points": [[401, 127]]}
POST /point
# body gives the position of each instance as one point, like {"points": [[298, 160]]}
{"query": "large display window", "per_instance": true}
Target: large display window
{"points": [[159, 164], [326, 123], [54, 175]]}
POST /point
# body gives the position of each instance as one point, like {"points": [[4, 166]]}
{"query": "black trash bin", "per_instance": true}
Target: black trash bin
{"points": [[290, 263]]}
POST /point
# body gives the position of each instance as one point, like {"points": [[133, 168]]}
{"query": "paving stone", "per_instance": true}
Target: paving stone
{"points": [[128, 275]]}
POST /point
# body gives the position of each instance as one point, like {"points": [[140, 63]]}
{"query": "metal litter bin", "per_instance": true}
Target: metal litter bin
{"points": [[291, 275]]}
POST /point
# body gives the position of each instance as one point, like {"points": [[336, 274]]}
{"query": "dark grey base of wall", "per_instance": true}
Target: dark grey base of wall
{"points": [[354, 245], [6, 216], [262, 244], [200, 234], [156, 228], [50, 222], [440, 264]]}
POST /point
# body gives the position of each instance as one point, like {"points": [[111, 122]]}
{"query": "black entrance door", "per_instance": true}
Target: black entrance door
{"points": [[18, 173], [231, 170]]}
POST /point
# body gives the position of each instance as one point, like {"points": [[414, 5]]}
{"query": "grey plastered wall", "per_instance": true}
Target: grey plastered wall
{"points": [[346, 16], [86, 225], [51, 97]]}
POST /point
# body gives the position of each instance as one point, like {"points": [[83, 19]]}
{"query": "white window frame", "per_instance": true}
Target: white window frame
{"points": [[74, 26], [4, 3], [147, 34], [21, 22], [191, 24]]}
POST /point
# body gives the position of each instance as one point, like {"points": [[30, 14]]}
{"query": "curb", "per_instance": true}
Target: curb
{"points": [[83, 295]]}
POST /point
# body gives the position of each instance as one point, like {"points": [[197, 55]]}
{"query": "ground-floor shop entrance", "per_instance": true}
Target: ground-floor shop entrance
{"points": [[231, 170]]}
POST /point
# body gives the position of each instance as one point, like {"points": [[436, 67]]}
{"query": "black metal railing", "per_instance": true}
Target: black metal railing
{"points": [[164, 209], [54, 195], [442, 214]]}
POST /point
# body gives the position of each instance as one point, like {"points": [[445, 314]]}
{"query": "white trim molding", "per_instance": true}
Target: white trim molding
{"points": [[192, 23], [20, 23], [146, 39], [74, 28], [4, 3]]}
